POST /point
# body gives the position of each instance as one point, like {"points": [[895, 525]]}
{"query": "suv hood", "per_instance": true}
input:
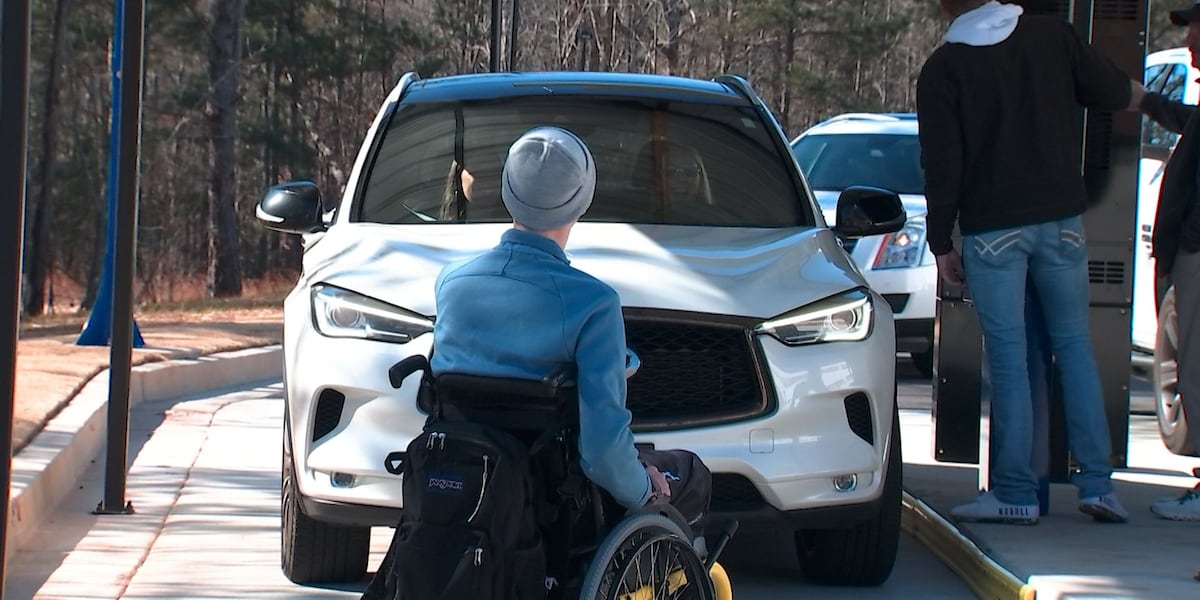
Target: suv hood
{"points": [[757, 273]]}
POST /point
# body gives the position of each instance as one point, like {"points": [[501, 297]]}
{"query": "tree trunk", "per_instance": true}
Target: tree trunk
{"points": [[41, 250], [789, 56], [224, 239]]}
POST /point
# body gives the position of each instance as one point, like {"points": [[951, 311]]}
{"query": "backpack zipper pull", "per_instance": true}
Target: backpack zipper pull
{"points": [[482, 490], [429, 440], [478, 556], [441, 441]]}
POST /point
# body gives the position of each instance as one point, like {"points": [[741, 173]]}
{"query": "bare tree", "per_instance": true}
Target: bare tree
{"points": [[224, 60], [41, 251]]}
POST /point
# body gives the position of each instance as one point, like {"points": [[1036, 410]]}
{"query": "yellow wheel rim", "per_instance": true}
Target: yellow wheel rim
{"points": [[721, 582]]}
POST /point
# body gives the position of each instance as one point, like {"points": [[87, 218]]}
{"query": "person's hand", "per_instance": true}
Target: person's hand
{"points": [[658, 482], [950, 268], [1137, 91]]}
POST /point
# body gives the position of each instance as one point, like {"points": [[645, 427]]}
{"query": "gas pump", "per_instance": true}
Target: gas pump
{"points": [[961, 399]]}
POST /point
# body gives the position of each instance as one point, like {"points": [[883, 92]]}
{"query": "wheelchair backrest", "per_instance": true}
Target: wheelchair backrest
{"points": [[521, 406]]}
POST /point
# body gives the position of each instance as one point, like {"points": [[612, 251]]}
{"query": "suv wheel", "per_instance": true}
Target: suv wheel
{"points": [[314, 551], [864, 554], [1172, 421]]}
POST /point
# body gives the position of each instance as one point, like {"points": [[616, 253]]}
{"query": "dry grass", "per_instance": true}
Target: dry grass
{"points": [[263, 296]]}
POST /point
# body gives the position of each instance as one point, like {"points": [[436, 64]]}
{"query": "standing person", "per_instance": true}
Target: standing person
{"points": [[1176, 251], [521, 310], [998, 104]]}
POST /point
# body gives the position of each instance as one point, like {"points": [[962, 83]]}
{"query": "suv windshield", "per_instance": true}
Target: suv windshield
{"points": [[836, 162], [664, 162]]}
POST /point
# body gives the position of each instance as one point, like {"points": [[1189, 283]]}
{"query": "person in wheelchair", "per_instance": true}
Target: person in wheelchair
{"points": [[511, 321], [520, 310]]}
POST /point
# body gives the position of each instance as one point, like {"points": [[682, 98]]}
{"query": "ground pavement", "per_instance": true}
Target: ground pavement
{"points": [[1065, 556]]}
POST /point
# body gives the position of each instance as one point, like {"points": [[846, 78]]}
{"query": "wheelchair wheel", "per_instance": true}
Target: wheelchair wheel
{"points": [[646, 557], [722, 587]]}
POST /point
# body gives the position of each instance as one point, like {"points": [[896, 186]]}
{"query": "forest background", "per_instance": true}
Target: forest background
{"points": [[240, 95]]}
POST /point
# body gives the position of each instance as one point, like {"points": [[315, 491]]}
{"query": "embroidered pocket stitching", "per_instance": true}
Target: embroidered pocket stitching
{"points": [[998, 245], [1074, 238]]}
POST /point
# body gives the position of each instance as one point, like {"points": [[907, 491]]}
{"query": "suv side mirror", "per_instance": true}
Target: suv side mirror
{"points": [[293, 207], [864, 211]]}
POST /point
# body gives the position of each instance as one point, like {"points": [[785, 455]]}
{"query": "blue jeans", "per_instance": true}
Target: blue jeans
{"points": [[1053, 256]]}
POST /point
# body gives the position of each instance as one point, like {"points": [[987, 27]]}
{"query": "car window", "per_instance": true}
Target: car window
{"points": [[1152, 77], [1170, 81], [836, 162], [656, 162]]}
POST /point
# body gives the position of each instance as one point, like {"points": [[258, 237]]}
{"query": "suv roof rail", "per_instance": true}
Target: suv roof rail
{"points": [[871, 117], [738, 83]]}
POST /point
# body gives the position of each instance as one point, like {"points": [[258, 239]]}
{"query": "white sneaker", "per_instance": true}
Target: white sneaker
{"points": [[989, 509], [1106, 508], [1183, 508]]}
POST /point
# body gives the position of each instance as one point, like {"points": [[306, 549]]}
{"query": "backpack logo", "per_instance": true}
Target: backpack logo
{"points": [[444, 483]]}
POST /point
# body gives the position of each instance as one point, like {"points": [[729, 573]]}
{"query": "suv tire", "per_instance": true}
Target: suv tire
{"points": [[314, 551], [864, 554], [1172, 419]]}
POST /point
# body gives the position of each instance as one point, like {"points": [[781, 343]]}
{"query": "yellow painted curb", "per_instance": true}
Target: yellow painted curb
{"points": [[984, 576]]}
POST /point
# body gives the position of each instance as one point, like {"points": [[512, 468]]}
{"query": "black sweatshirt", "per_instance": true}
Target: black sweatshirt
{"points": [[1000, 128]]}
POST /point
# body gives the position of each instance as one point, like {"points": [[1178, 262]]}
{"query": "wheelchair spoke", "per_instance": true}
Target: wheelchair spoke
{"points": [[654, 571], [650, 562]]}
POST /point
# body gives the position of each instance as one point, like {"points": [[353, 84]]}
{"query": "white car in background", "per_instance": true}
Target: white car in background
{"points": [[1168, 72], [881, 150]]}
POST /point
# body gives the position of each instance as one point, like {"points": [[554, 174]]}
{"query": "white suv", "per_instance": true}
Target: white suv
{"points": [[763, 349], [881, 150], [1168, 72]]}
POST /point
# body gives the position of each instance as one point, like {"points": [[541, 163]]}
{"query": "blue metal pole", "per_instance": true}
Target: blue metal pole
{"points": [[97, 331]]}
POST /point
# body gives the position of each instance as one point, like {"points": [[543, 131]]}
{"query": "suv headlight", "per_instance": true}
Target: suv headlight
{"points": [[845, 317], [903, 248], [345, 314]]}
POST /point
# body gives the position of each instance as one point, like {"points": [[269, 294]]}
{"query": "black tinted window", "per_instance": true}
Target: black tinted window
{"points": [[660, 162], [836, 162]]}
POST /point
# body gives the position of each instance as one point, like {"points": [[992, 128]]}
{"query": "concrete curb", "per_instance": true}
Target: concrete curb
{"points": [[984, 576], [46, 470]]}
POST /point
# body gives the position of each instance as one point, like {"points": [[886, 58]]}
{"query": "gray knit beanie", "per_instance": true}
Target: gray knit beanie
{"points": [[549, 178]]}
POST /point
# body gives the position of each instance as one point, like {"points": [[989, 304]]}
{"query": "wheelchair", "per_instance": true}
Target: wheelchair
{"points": [[595, 549]]}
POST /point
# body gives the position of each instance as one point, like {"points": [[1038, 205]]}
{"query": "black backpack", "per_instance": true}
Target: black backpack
{"points": [[469, 528]]}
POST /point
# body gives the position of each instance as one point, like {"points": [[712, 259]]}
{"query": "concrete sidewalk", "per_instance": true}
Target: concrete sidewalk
{"points": [[45, 471], [1065, 556], [204, 486]]}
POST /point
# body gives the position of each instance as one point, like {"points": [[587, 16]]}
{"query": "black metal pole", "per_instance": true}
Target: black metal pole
{"points": [[512, 41], [494, 55], [14, 114], [121, 351]]}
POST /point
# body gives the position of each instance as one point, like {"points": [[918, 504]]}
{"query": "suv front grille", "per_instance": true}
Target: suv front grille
{"points": [[693, 372]]}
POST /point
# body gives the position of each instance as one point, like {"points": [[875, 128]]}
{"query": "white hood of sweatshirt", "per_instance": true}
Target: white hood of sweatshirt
{"points": [[987, 25]]}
